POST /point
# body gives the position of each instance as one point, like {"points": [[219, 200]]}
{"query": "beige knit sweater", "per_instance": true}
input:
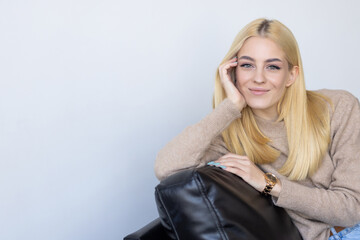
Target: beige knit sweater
{"points": [[331, 197]]}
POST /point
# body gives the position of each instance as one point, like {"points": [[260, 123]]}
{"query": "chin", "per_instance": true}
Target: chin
{"points": [[260, 105]]}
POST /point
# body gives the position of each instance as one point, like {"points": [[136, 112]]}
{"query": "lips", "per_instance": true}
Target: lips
{"points": [[258, 91]]}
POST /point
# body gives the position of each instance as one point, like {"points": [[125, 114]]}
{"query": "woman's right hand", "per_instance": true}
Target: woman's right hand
{"points": [[232, 92]]}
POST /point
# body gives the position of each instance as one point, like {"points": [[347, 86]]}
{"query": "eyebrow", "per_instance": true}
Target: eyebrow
{"points": [[268, 60]]}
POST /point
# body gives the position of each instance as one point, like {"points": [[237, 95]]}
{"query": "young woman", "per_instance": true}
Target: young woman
{"points": [[302, 147]]}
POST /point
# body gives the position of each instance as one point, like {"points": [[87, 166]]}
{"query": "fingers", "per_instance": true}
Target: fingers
{"points": [[232, 161], [225, 67], [243, 167], [228, 84], [232, 157], [240, 165]]}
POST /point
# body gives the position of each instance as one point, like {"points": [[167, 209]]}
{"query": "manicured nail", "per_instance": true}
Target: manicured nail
{"points": [[216, 164], [222, 166], [210, 163]]}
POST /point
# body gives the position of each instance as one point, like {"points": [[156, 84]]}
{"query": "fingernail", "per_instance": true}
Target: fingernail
{"points": [[216, 164], [210, 163], [222, 166]]}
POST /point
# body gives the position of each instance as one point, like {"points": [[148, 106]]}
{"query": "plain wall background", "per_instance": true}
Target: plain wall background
{"points": [[91, 90]]}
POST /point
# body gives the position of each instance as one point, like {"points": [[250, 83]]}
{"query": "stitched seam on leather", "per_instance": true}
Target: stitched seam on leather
{"points": [[167, 213], [210, 206]]}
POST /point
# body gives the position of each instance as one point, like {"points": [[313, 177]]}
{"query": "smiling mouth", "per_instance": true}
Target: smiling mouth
{"points": [[258, 91]]}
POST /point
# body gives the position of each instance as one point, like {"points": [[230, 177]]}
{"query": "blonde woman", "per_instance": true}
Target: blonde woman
{"points": [[301, 147]]}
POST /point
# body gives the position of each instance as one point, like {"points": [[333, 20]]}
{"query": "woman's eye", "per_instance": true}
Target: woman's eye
{"points": [[273, 67], [246, 65]]}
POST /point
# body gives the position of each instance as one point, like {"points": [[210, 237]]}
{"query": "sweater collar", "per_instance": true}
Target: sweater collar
{"points": [[271, 129]]}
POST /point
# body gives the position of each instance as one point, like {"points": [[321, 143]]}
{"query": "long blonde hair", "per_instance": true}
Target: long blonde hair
{"points": [[305, 113]]}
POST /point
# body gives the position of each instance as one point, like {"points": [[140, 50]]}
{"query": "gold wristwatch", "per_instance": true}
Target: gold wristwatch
{"points": [[271, 181]]}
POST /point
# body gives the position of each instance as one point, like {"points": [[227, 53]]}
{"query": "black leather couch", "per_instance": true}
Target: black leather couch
{"points": [[210, 203]]}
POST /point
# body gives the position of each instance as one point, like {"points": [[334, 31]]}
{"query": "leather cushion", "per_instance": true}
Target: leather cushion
{"points": [[210, 203]]}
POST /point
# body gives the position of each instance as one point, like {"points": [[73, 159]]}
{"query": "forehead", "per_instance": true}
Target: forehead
{"points": [[261, 49]]}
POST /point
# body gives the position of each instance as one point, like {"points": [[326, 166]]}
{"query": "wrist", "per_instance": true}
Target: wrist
{"points": [[276, 189], [239, 104], [272, 185]]}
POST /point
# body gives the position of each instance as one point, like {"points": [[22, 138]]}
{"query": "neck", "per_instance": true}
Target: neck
{"points": [[270, 114]]}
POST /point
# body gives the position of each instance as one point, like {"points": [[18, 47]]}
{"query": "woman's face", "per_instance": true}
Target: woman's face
{"points": [[262, 75]]}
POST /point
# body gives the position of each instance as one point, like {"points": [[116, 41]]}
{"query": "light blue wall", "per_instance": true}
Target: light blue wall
{"points": [[91, 90]]}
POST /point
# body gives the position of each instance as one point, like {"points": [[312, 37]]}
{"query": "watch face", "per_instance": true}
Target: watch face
{"points": [[271, 177]]}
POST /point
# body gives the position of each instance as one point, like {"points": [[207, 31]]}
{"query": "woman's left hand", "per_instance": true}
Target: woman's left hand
{"points": [[244, 168]]}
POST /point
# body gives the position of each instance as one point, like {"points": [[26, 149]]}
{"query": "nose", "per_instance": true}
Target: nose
{"points": [[259, 76]]}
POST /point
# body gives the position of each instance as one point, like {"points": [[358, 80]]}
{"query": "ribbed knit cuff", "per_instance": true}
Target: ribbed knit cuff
{"points": [[284, 193]]}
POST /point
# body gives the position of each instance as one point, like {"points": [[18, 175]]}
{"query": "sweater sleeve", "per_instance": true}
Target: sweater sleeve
{"points": [[339, 205], [198, 143]]}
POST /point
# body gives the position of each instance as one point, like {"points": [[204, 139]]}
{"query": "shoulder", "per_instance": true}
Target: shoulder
{"points": [[345, 108], [341, 102], [338, 96]]}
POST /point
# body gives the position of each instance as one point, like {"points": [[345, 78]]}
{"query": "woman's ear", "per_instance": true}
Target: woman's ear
{"points": [[294, 73]]}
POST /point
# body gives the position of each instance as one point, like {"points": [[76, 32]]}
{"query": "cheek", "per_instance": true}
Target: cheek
{"points": [[279, 80], [242, 77]]}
